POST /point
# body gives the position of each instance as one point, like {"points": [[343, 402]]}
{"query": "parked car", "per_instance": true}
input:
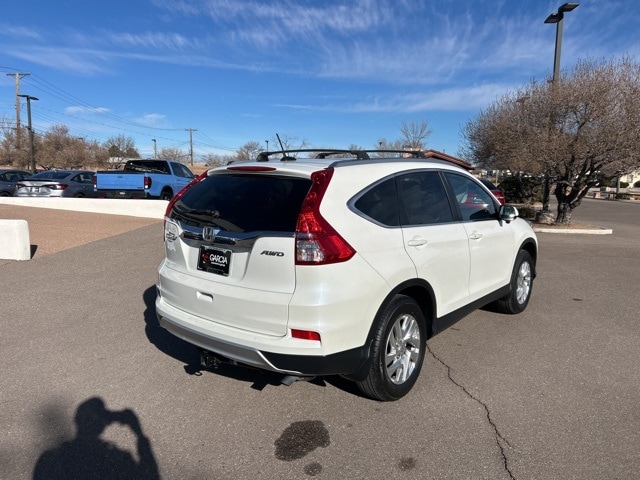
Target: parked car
{"points": [[160, 179], [8, 179], [337, 266], [499, 194], [57, 183]]}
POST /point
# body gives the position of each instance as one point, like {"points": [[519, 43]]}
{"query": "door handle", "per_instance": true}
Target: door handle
{"points": [[417, 242], [475, 235]]}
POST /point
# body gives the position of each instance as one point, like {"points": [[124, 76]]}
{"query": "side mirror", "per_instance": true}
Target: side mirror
{"points": [[508, 213]]}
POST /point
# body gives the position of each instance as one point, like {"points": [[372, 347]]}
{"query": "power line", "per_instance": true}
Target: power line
{"points": [[106, 119]]}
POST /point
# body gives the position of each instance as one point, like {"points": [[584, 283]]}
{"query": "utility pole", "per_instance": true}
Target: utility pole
{"points": [[155, 151], [31, 157], [18, 76], [191, 130]]}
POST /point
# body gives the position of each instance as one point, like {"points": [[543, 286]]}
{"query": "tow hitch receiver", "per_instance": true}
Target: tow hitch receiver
{"points": [[210, 360]]}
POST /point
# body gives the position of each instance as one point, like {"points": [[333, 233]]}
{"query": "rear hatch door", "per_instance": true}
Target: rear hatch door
{"points": [[234, 249]]}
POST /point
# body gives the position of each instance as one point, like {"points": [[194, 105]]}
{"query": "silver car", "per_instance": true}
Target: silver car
{"points": [[57, 183], [8, 179]]}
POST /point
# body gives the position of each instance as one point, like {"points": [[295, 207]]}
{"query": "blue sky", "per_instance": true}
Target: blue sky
{"points": [[333, 72]]}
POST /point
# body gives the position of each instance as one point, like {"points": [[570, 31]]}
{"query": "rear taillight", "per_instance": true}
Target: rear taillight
{"points": [[317, 242], [182, 192], [56, 186], [147, 183]]}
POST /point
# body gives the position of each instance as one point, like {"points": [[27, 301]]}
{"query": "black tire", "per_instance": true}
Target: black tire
{"points": [[166, 195], [520, 286], [79, 195], [399, 347]]}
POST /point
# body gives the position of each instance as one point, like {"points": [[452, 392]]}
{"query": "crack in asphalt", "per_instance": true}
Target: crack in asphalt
{"points": [[500, 439]]}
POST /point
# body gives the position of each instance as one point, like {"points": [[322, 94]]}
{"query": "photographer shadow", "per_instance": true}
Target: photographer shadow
{"points": [[87, 456], [163, 340]]}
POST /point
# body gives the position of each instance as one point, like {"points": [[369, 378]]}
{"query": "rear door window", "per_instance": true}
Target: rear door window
{"points": [[423, 199], [181, 171], [244, 203]]}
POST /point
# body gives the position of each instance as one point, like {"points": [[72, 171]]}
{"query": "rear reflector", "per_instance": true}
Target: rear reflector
{"points": [[305, 335]]}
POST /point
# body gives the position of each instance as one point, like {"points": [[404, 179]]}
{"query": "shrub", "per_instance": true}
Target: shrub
{"points": [[521, 189], [527, 212], [624, 184], [623, 196]]}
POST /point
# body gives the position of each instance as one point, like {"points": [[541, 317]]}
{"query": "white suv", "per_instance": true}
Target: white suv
{"points": [[330, 266]]}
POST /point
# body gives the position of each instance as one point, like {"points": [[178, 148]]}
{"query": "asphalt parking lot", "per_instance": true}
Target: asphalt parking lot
{"points": [[92, 387]]}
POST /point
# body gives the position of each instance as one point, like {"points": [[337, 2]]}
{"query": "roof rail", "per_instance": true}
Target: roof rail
{"points": [[327, 152]]}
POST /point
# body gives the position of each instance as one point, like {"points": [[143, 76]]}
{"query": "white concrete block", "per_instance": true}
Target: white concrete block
{"points": [[14, 240]]}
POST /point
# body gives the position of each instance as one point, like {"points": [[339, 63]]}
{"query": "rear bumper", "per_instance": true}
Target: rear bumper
{"points": [[341, 363]]}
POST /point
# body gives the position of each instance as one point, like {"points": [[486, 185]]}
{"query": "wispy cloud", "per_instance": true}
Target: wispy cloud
{"points": [[7, 30], [77, 110], [152, 120], [395, 42], [452, 99], [79, 60]]}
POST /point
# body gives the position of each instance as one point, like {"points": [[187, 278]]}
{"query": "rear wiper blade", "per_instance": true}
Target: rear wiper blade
{"points": [[209, 213]]}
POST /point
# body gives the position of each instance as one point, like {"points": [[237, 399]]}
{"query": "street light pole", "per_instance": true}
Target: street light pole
{"points": [[557, 18], [33, 160]]}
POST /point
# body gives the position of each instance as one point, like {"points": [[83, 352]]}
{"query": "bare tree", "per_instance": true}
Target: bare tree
{"points": [[289, 142], [384, 144], [248, 151], [121, 147], [572, 133], [9, 153], [58, 149], [172, 153], [415, 134], [214, 160]]}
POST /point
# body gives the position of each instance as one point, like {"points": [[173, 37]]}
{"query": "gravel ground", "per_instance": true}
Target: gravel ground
{"points": [[52, 231]]}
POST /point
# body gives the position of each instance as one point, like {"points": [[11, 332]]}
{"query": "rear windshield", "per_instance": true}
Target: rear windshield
{"points": [[146, 166], [244, 203]]}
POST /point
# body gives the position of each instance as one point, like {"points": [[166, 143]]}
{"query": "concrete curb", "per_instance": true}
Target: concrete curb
{"points": [[132, 208], [583, 231]]}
